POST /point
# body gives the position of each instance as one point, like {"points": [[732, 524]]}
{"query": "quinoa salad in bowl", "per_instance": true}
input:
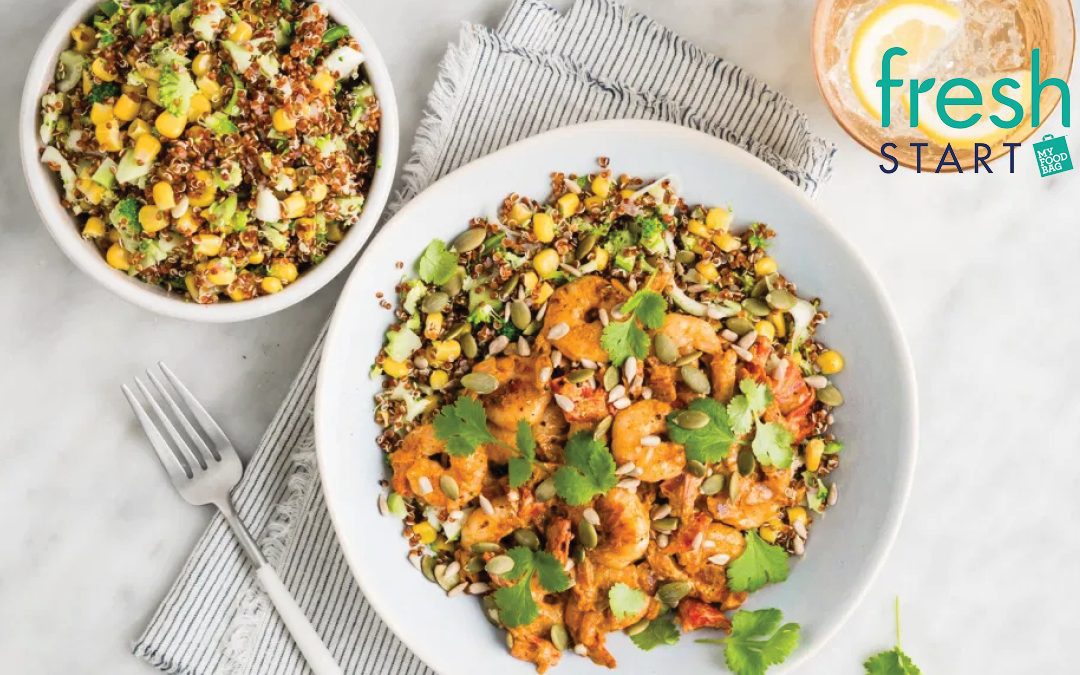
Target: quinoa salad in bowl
{"points": [[215, 149], [608, 411]]}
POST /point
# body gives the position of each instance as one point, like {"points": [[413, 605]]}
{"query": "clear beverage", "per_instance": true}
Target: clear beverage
{"points": [[991, 39]]}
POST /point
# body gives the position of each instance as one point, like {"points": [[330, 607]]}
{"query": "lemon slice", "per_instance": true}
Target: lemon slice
{"points": [[983, 131], [922, 27]]}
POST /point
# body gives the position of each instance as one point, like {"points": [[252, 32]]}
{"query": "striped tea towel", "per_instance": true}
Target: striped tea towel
{"points": [[539, 70]]}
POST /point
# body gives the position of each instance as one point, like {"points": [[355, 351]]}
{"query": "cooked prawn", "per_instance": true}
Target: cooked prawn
{"points": [[577, 305], [519, 396], [417, 472], [722, 374], [624, 529], [589, 402], [691, 334], [506, 517], [646, 418], [588, 615], [758, 500]]}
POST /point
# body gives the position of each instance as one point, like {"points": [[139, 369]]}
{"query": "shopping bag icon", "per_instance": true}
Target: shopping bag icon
{"points": [[1052, 154]]}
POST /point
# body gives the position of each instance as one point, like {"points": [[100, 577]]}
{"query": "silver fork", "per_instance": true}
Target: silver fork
{"points": [[204, 467]]}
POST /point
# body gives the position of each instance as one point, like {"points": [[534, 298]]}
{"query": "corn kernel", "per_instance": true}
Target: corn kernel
{"points": [[334, 232], [170, 125], [519, 214], [93, 192], [601, 186], [543, 228], [117, 257], [797, 514], [206, 197], [718, 219], [544, 292], [707, 271], [153, 96], [237, 293], [697, 228], [240, 32], [271, 285], [766, 329], [726, 242], [192, 289], [281, 121], [137, 128], [593, 202], [101, 71], [256, 258], [221, 271], [830, 362], [546, 263], [601, 256], [163, 195], [765, 266], [207, 244], [568, 204], [316, 191], [200, 65], [126, 108], [87, 82], [323, 81], [200, 105], [438, 379], [425, 531], [796, 359], [101, 113], [626, 193], [777, 319], [529, 281], [770, 531], [94, 228], [284, 270], [186, 224], [84, 37], [393, 368], [152, 219], [148, 71], [445, 350], [108, 136], [814, 451], [433, 325], [147, 147], [293, 206]]}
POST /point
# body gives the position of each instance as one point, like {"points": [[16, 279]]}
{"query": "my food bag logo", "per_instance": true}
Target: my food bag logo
{"points": [[957, 102]]}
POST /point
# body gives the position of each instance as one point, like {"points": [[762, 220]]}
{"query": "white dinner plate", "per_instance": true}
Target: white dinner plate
{"points": [[877, 424]]}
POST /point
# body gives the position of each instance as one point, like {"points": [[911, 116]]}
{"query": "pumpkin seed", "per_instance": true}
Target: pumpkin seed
{"points": [[559, 637], [638, 627], [509, 287], [468, 346], [665, 525], [585, 246], [746, 461], [580, 375], [692, 419], [435, 302], [739, 325], [757, 307], [475, 564], [830, 396], [713, 484], [520, 314], [688, 359], [781, 299], [449, 486], [481, 383], [672, 592], [453, 285], [527, 538], [760, 289], [684, 257], [665, 348], [427, 566], [395, 505], [470, 239], [587, 534], [611, 378], [456, 332], [602, 427], [485, 547], [545, 490], [696, 468], [695, 379], [577, 552], [499, 565]]}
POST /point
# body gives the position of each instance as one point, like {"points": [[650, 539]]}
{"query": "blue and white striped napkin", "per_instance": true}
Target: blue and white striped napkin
{"points": [[538, 70]]}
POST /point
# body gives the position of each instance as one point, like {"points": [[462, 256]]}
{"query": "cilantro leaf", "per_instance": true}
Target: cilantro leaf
{"points": [[646, 306], [523, 563], [772, 444], [758, 641], [623, 339], [710, 443], [660, 631], [892, 662], [759, 564], [516, 604], [521, 467], [589, 470], [463, 427], [550, 572], [626, 601], [744, 408], [437, 264]]}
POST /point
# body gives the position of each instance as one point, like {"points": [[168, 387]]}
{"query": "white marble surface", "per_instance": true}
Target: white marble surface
{"points": [[980, 269]]}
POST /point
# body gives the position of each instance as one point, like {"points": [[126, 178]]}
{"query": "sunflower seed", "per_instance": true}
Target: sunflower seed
{"points": [[523, 346], [558, 331], [672, 592], [469, 239], [527, 538], [800, 529], [414, 558], [650, 441], [662, 540], [616, 393], [485, 505], [781, 370], [742, 353], [713, 484], [662, 511], [580, 375], [630, 368], [545, 374], [720, 559], [629, 484], [589, 363], [815, 381], [485, 547], [581, 650], [556, 356], [604, 320], [698, 539], [545, 490], [646, 393], [621, 404], [696, 468], [513, 495], [591, 515], [457, 590], [563, 402], [729, 335], [695, 379], [425, 485], [559, 637], [449, 486], [498, 344], [384, 509], [799, 545], [478, 588], [692, 419], [638, 627], [748, 340], [665, 525], [499, 565], [587, 534], [602, 427], [831, 499], [481, 383]]}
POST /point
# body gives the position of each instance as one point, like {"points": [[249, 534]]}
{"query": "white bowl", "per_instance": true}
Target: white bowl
{"points": [[877, 424], [64, 228]]}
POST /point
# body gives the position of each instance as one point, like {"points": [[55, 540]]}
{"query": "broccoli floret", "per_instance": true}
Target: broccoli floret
{"points": [[103, 91], [175, 89], [509, 330], [652, 233], [220, 124], [125, 218]]}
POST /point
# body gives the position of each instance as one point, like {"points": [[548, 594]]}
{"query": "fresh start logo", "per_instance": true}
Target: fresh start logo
{"points": [[957, 103]]}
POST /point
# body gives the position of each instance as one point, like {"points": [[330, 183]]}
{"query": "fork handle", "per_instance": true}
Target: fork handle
{"points": [[303, 633]]}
